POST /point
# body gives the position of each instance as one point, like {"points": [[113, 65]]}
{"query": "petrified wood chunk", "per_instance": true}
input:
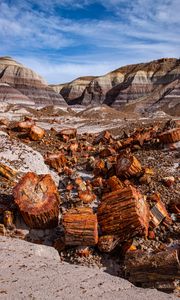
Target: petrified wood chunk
{"points": [[80, 226], [128, 165], [107, 243], [158, 213], [170, 136], [124, 213], [36, 133], [56, 161], [104, 137], [7, 172], [37, 199], [159, 270], [25, 125], [67, 134], [114, 183]]}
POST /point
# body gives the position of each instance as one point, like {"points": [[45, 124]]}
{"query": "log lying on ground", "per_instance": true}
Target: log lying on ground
{"points": [[159, 270], [25, 125], [170, 136], [36, 133], [80, 226], [56, 161], [37, 199], [124, 213], [127, 166], [7, 172], [103, 137]]}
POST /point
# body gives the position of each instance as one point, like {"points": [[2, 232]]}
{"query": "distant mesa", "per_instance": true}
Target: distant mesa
{"points": [[144, 87], [21, 85]]}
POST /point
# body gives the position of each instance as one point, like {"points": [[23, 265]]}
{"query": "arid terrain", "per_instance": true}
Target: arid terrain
{"points": [[90, 184], [86, 171]]}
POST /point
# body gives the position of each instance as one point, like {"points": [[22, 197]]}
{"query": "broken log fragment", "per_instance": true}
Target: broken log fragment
{"points": [[108, 243], [158, 214], [124, 213], [127, 166], [67, 134], [154, 270], [171, 136], [56, 161], [80, 225], [36, 133], [103, 137], [7, 172], [25, 125], [37, 199]]}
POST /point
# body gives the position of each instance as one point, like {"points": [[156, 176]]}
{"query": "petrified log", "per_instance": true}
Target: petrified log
{"points": [[159, 270], [114, 183], [124, 213], [56, 161], [86, 196], [107, 243], [38, 201], [128, 165], [7, 172], [67, 134], [80, 226], [36, 133], [170, 136]]}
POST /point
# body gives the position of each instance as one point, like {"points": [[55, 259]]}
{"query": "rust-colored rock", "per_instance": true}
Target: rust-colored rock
{"points": [[7, 172], [56, 161], [25, 125], [67, 134], [80, 226], [158, 270], [124, 213], [36, 133], [127, 166], [86, 196], [4, 122], [158, 213], [8, 219], [107, 243], [171, 136], [114, 183], [38, 201], [103, 137]]}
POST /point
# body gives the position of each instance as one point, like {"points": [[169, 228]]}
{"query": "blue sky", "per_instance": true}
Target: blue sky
{"points": [[62, 40]]}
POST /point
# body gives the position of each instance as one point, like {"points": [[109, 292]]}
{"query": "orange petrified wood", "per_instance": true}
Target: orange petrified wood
{"points": [[170, 136], [36, 133], [80, 226], [127, 166], [123, 213], [38, 201]]}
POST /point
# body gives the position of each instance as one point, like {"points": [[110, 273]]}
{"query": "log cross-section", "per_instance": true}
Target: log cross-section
{"points": [[38, 200]]}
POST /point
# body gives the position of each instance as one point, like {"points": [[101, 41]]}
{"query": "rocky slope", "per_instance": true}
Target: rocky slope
{"points": [[73, 92], [140, 87], [19, 84]]}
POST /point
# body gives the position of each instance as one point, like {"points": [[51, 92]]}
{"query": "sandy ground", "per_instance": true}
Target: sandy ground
{"points": [[29, 271]]}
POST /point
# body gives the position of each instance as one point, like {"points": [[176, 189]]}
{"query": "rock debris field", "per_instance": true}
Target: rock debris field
{"points": [[89, 207]]}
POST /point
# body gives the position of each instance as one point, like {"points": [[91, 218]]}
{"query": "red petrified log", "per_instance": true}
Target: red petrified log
{"points": [[170, 136], [104, 137], [128, 165], [56, 161], [80, 226], [38, 201], [159, 270], [114, 183], [124, 213], [36, 133]]}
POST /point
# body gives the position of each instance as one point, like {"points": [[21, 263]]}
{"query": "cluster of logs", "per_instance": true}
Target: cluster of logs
{"points": [[28, 126]]}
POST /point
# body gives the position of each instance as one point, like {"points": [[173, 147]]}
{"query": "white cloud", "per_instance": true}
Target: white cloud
{"points": [[138, 30]]}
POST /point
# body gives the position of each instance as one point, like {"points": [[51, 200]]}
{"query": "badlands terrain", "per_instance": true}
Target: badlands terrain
{"points": [[114, 184]]}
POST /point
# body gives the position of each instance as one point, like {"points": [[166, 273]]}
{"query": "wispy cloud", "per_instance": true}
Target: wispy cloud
{"points": [[60, 48]]}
